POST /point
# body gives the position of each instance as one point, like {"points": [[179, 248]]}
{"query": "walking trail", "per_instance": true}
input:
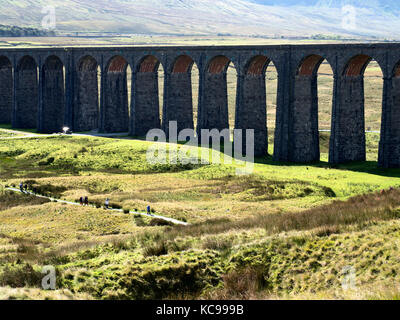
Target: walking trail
{"points": [[174, 221]]}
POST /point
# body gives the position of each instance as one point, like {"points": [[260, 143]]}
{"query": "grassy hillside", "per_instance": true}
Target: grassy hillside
{"points": [[286, 231]]}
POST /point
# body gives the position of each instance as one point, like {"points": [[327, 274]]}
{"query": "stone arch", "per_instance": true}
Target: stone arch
{"points": [[257, 65], [218, 64], [396, 70], [115, 113], [52, 113], [6, 90], [146, 96], [148, 63], [86, 106], [306, 136], [182, 64], [27, 95], [356, 65], [309, 65]]}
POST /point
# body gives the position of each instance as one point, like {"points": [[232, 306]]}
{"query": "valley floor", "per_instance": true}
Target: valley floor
{"points": [[284, 232]]}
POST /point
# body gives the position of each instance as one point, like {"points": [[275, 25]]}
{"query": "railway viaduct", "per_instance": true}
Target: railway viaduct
{"points": [[48, 88]]}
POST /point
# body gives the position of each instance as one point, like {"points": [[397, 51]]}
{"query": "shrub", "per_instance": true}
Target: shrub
{"points": [[329, 192], [126, 211], [50, 190], [115, 206], [139, 221], [213, 243], [244, 284], [17, 277], [47, 162], [160, 222], [157, 249]]}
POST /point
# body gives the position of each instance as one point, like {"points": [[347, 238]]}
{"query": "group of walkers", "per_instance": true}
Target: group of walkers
{"points": [[84, 201], [23, 188]]}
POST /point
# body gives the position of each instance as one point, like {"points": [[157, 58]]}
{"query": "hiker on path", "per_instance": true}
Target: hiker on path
{"points": [[26, 188], [81, 201], [107, 203], [86, 201], [148, 210], [21, 187]]}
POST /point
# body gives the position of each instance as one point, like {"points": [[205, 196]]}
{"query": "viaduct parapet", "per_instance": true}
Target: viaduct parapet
{"points": [[86, 89]]}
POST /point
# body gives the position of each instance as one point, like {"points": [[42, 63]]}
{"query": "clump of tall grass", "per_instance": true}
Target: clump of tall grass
{"points": [[19, 277], [242, 284], [158, 248]]}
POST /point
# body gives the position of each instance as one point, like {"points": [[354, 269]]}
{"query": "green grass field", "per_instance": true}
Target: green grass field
{"points": [[285, 231]]}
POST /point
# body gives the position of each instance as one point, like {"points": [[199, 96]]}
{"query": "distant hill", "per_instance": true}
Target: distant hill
{"points": [[210, 17], [14, 31]]}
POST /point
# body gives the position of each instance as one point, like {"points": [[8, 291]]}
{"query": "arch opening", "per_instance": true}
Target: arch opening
{"points": [[325, 98], [52, 117], [357, 65], [373, 93], [218, 65], [27, 95], [6, 90]]}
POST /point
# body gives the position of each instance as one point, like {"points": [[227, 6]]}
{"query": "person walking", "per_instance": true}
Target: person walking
{"points": [[81, 201], [107, 203], [86, 201], [21, 187], [148, 210]]}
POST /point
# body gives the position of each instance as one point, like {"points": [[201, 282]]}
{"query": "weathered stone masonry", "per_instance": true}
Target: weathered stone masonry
{"points": [[87, 89]]}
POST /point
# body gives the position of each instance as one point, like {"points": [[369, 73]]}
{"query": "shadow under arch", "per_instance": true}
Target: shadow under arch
{"points": [[145, 114], [27, 94], [6, 90], [305, 135], [52, 113], [86, 107], [114, 115]]}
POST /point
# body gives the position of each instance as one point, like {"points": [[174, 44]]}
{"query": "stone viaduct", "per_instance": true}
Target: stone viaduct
{"points": [[49, 88]]}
